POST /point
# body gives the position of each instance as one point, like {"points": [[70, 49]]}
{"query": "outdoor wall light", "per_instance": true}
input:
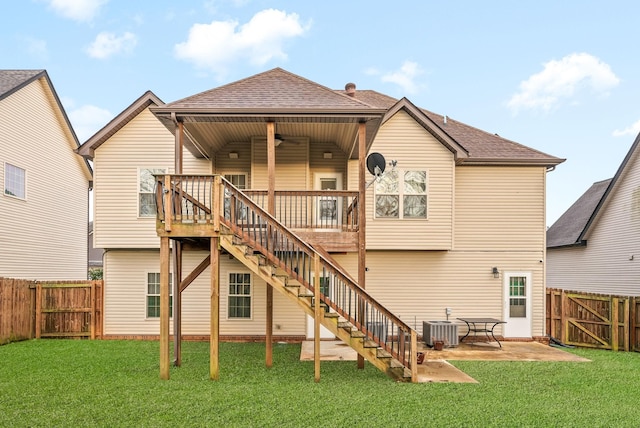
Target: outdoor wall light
{"points": [[233, 155], [327, 155], [495, 272]]}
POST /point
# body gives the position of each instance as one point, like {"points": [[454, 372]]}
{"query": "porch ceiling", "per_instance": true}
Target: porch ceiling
{"points": [[207, 134]]}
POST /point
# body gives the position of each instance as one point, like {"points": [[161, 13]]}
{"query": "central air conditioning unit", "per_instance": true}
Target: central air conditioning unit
{"points": [[446, 331]]}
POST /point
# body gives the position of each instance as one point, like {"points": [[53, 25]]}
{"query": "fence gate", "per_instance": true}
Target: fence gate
{"points": [[589, 320], [68, 309]]}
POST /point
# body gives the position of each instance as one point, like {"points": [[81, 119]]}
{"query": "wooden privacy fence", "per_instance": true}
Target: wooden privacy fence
{"points": [[17, 303], [593, 320], [37, 309]]}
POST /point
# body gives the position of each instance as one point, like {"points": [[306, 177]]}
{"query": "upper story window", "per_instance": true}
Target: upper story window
{"points": [[401, 194], [146, 192], [15, 181]]}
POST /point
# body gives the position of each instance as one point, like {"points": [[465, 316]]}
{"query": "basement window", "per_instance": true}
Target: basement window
{"points": [[153, 295], [239, 296]]}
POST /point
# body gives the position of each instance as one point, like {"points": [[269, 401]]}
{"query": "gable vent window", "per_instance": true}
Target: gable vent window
{"points": [[402, 195]]}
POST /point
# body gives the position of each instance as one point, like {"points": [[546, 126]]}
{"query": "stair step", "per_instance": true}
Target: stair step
{"points": [[330, 314], [383, 353], [357, 334], [370, 344]]}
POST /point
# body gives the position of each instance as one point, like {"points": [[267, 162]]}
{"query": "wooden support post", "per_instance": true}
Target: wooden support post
{"points": [[214, 337], [414, 356], [38, 310], [168, 200], [615, 321], [362, 216], [271, 203], [92, 326], [165, 255], [318, 314], [177, 303]]}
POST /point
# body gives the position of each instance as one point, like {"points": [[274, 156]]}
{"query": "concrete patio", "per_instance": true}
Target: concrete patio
{"points": [[436, 367]]}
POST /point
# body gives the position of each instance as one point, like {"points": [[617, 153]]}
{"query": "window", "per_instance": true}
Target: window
{"points": [[401, 194], [14, 181], [153, 295], [146, 189], [240, 295], [238, 180], [518, 297]]}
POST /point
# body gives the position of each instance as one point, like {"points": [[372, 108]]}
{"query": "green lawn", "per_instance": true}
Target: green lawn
{"points": [[116, 383]]}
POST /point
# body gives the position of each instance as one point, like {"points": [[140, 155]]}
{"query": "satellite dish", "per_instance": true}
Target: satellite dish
{"points": [[376, 164]]}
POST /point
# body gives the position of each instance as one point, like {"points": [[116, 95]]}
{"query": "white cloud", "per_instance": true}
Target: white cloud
{"points": [[87, 120], [78, 10], [562, 80], [217, 45], [107, 44], [630, 130], [405, 77]]}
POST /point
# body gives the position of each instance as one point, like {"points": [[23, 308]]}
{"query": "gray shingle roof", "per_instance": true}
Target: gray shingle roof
{"points": [[569, 228], [11, 80]]}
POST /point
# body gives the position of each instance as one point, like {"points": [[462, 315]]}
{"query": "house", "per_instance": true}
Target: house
{"points": [[95, 254], [595, 245], [451, 224], [45, 185]]}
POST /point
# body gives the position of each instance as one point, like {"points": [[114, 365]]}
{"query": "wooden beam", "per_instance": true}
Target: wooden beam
{"points": [[179, 139], [165, 255], [177, 303], [214, 336], [271, 208], [195, 273], [316, 322], [414, 356], [362, 214]]}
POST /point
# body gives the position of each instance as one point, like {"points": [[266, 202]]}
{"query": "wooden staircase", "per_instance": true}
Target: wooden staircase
{"points": [[201, 206], [292, 267]]}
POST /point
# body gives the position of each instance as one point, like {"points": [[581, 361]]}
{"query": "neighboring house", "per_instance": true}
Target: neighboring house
{"points": [[595, 245], [458, 203], [45, 185]]}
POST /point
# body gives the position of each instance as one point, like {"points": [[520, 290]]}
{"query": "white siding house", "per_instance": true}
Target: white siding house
{"points": [[45, 184], [595, 245]]}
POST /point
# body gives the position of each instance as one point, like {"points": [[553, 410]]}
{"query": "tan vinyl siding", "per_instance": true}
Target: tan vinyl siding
{"points": [[43, 236], [419, 285], [143, 143], [125, 298], [241, 165], [403, 140], [318, 164], [500, 208], [610, 263], [291, 166]]}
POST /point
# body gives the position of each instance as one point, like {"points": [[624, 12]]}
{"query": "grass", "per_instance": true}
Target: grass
{"points": [[116, 383]]}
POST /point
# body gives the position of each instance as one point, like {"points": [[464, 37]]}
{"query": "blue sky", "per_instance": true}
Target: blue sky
{"points": [[562, 77]]}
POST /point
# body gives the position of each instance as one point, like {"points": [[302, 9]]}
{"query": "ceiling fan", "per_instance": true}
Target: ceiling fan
{"points": [[283, 140]]}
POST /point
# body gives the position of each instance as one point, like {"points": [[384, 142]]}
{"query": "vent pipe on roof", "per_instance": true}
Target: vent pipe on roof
{"points": [[445, 119], [350, 89]]}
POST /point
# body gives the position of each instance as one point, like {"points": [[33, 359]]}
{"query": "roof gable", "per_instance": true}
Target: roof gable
{"points": [[145, 100], [569, 229], [12, 81]]}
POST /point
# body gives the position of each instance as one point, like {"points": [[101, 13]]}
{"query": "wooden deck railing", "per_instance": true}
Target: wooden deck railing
{"points": [[190, 199]]}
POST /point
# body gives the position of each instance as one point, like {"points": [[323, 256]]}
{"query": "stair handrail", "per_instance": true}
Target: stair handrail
{"points": [[284, 249]]}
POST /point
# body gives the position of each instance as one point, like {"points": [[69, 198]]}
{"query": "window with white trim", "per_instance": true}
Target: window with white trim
{"points": [[15, 181], [402, 195], [146, 191], [153, 295], [239, 296], [238, 180]]}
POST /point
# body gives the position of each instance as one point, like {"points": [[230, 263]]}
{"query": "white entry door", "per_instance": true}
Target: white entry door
{"points": [[328, 210], [517, 305]]}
